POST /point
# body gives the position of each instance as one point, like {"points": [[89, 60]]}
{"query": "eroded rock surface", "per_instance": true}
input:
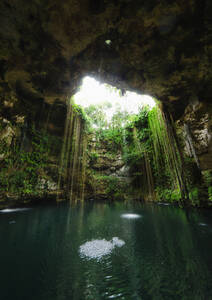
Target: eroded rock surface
{"points": [[156, 47], [198, 119]]}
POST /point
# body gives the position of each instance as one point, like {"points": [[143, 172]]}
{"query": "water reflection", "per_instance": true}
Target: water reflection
{"points": [[10, 210], [96, 249], [202, 224], [130, 216], [167, 253]]}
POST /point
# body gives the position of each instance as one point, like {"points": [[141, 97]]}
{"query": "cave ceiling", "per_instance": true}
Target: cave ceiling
{"points": [[161, 48]]}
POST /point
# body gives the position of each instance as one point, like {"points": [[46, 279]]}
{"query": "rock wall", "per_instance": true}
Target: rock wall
{"points": [[30, 146], [197, 118], [107, 175]]}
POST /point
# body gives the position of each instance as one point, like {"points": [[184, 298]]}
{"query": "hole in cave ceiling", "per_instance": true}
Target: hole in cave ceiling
{"points": [[110, 98]]}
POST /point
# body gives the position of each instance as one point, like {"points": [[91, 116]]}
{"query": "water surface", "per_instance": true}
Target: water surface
{"points": [[142, 252]]}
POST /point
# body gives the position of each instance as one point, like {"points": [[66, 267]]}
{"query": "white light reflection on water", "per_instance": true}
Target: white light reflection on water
{"points": [[131, 216], [203, 224], [96, 249], [10, 210]]}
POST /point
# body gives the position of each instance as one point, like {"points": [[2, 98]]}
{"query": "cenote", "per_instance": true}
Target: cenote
{"points": [[105, 150], [122, 190], [164, 254]]}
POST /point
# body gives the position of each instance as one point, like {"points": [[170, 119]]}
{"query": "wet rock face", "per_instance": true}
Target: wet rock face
{"points": [[197, 117], [107, 175], [107, 163]]}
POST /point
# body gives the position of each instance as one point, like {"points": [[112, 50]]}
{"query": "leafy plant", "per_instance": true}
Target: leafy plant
{"points": [[176, 195], [210, 193], [194, 196], [20, 168], [207, 176], [93, 157]]}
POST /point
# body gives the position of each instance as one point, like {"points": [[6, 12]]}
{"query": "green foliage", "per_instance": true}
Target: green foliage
{"points": [[210, 193], [141, 120], [132, 157], [80, 112], [114, 187], [138, 153], [119, 119], [151, 150], [111, 135], [194, 196], [20, 169], [168, 195], [112, 138], [207, 177], [175, 195], [163, 194], [96, 115], [93, 157], [167, 158], [137, 137]]}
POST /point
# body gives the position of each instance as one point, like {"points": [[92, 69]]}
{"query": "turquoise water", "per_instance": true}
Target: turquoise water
{"points": [[162, 253]]}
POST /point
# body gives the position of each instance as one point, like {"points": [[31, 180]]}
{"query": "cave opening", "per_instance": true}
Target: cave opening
{"points": [[119, 145], [108, 100], [104, 126], [122, 145]]}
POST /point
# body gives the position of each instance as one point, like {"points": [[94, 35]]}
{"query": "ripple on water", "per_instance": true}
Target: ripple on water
{"points": [[131, 216], [96, 249]]}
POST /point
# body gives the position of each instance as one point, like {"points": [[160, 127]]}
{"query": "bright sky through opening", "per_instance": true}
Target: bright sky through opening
{"points": [[93, 92]]}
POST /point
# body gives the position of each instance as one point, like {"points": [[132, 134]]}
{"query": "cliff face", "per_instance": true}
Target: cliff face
{"points": [[31, 135], [155, 47], [197, 118]]}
